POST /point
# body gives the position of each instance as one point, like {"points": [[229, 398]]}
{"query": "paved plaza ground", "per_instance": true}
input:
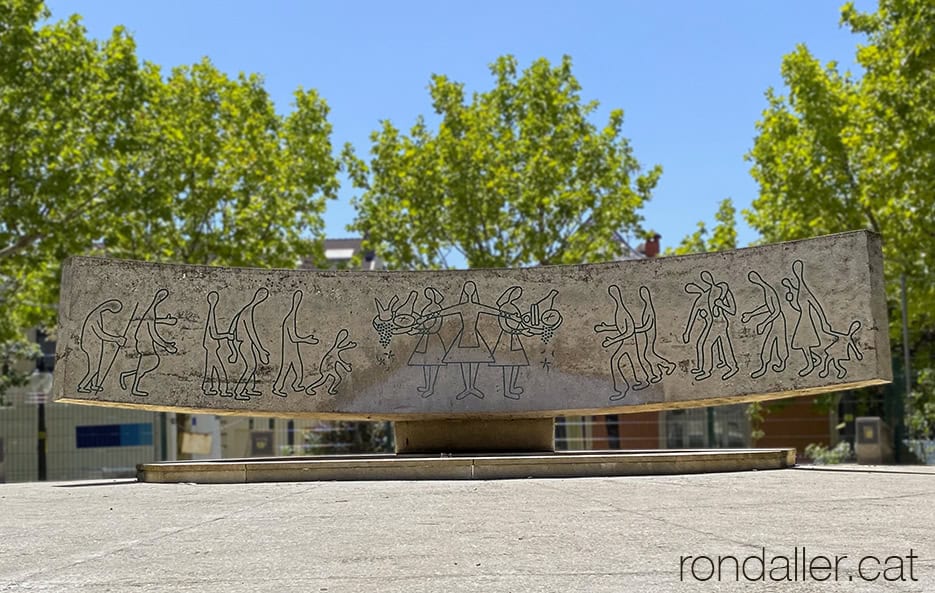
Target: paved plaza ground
{"points": [[593, 534]]}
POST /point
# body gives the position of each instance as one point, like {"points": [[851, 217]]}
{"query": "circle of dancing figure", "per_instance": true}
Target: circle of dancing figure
{"points": [[94, 342], [290, 359], [148, 344], [508, 352], [429, 352]]}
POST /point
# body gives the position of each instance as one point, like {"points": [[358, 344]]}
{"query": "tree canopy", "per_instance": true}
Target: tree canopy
{"points": [[102, 153], [838, 151], [518, 175]]}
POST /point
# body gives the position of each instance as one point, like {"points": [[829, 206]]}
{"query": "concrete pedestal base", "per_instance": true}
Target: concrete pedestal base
{"points": [[475, 436], [467, 467]]}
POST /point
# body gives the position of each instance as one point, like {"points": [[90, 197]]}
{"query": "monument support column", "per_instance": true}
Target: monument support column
{"points": [[522, 435]]}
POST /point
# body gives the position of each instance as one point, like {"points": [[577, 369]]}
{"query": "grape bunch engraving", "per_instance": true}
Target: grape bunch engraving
{"points": [[394, 318], [385, 329], [549, 320]]}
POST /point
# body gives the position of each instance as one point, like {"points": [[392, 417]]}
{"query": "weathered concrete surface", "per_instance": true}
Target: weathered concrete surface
{"points": [[788, 319], [599, 535]]}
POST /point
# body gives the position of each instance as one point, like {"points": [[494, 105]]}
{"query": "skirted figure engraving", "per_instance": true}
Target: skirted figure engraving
{"points": [[811, 321], [820, 344], [96, 341], [148, 342], [290, 359], [429, 352], [508, 352], [469, 348], [775, 347]]}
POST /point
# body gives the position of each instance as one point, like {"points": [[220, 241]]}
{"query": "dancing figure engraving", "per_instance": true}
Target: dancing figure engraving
{"points": [[624, 337], [840, 350], [216, 380], [333, 367], [646, 340], [429, 351], [95, 341], [469, 349], [508, 352], [148, 343], [772, 326], [821, 345], [290, 359], [248, 348], [714, 302]]}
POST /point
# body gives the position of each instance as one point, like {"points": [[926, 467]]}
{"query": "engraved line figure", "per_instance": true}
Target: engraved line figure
{"points": [[646, 340], [721, 305], [840, 350], [541, 320], [94, 343], [332, 364], [627, 348], [148, 344], [216, 380], [469, 348], [772, 328], [810, 322], [243, 327], [508, 352], [429, 352], [290, 360], [116, 351], [698, 311], [713, 304]]}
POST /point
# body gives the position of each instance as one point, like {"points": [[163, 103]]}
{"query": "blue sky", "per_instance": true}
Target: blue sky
{"points": [[689, 75]]}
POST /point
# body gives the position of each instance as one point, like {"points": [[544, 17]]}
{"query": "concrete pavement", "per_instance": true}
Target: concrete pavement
{"points": [[594, 534]]}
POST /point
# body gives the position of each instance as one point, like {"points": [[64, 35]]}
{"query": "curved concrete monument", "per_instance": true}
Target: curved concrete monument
{"points": [[483, 346]]}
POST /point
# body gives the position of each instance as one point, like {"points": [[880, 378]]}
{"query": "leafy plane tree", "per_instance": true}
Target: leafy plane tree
{"points": [[516, 176], [839, 152], [100, 153]]}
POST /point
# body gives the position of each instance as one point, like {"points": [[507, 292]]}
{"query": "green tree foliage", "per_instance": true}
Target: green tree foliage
{"points": [[839, 152], [723, 238], [222, 177], [921, 418], [100, 153], [65, 105], [518, 175]]}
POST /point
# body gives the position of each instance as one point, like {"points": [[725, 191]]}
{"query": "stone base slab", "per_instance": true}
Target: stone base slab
{"points": [[468, 467]]}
